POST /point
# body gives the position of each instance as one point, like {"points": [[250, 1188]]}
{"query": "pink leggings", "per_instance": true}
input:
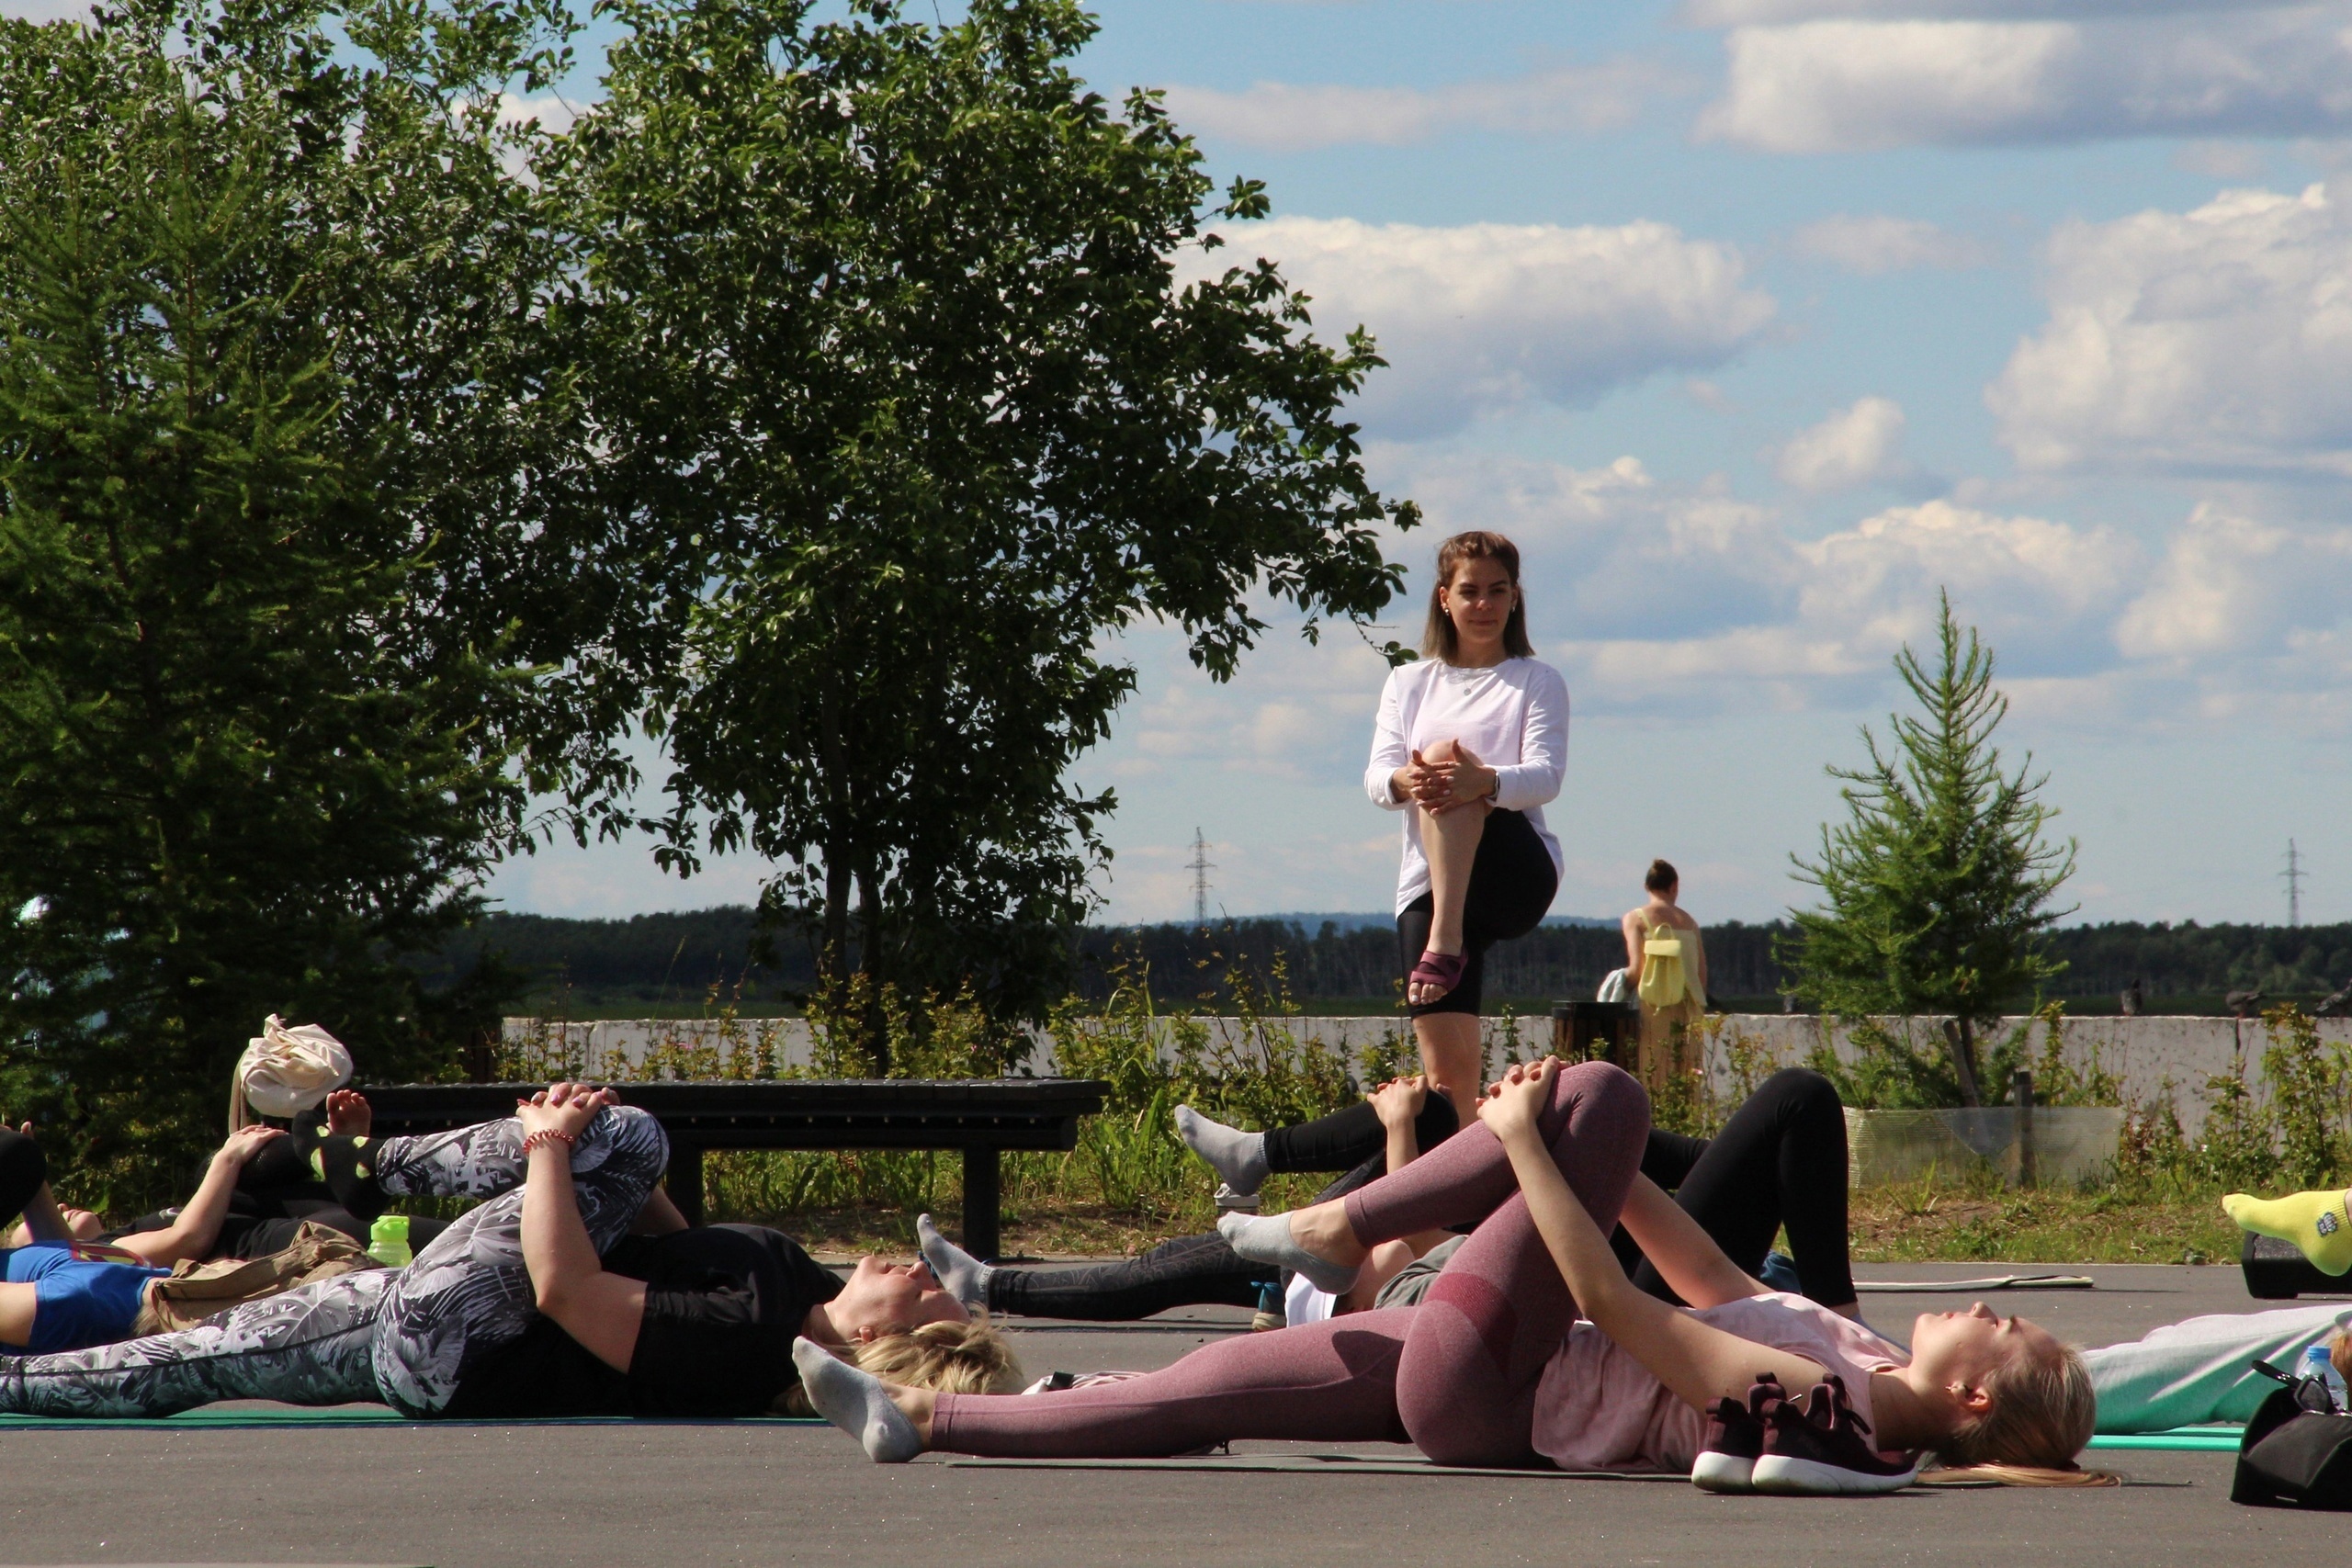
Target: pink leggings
{"points": [[1455, 1375]]}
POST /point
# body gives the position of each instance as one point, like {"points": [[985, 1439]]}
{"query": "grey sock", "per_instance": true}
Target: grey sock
{"points": [[964, 1276], [854, 1400], [1266, 1238], [1239, 1157]]}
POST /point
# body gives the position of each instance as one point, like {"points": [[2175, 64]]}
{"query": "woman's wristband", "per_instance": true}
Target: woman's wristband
{"points": [[546, 1135]]}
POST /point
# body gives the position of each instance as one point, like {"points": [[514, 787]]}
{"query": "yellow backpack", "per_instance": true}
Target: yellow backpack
{"points": [[1662, 979]]}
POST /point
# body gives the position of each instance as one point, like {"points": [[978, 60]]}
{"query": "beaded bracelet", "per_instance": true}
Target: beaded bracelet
{"points": [[549, 1136]]}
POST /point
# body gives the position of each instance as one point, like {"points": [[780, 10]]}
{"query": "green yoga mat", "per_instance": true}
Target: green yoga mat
{"points": [[2201, 1439], [362, 1415]]}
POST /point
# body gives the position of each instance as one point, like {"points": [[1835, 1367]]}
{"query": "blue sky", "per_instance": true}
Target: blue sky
{"points": [[1756, 321]]}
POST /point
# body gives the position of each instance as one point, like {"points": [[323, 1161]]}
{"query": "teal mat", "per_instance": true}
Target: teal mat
{"points": [[217, 1420], [2200, 1440]]}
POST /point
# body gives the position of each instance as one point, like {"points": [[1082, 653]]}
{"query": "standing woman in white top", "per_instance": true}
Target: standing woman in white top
{"points": [[1471, 742]]}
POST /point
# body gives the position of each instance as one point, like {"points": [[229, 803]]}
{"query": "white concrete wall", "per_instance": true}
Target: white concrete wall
{"points": [[2145, 1053], [2153, 1057]]}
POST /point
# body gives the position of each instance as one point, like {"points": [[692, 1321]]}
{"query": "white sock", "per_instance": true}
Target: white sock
{"points": [[964, 1276], [856, 1401], [1266, 1238], [1239, 1157]]}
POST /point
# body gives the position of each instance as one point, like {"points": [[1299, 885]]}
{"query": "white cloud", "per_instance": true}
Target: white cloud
{"points": [[1847, 84], [1295, 710], [1876, 244], [1489, 316], [44, 10], [1555, 101], [1853, 446], [551, 113], [1661, 598], [2231, 584], [2219, 337]]}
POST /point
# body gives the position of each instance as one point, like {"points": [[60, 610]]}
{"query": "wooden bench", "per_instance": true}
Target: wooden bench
{"points": [[980, 1117]]}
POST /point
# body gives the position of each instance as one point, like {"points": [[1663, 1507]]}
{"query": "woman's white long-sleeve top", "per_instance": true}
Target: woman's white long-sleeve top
{"points": [[1513, 716]]}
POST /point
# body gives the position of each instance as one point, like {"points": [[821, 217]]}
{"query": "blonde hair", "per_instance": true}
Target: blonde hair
{"points": [[974, 1357], [2042, 1414]]}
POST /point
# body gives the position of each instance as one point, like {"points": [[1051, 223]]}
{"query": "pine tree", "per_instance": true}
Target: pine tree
{"points": [[231, 786], [1938, 887]]}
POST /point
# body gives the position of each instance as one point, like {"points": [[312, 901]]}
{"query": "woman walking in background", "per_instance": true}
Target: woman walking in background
{"points": [[1471, 742], [1668, 966]]}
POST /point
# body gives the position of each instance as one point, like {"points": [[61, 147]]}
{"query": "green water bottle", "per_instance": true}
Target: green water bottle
{"points": [[388, 1241], [1270, 1314]]}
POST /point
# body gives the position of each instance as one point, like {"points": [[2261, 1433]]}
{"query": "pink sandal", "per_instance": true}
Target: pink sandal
{"points": [[1442, 970]]}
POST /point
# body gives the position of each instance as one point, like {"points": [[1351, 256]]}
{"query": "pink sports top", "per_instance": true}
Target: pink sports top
{"points": [[1597, 1409]]}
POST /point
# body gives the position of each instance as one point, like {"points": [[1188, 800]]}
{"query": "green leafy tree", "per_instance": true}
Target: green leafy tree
{"points": [[287, 519], [892, 336], [1938, 887]]}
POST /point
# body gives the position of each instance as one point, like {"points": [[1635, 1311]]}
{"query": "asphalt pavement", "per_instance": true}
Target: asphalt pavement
{"points": [[462, 1496]]}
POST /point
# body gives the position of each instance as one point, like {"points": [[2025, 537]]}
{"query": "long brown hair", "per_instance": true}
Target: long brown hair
{"points": [[2043, 1416], [1437, 638]]}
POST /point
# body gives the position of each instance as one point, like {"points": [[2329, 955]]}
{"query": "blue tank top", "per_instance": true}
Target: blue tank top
{"points": [[83, 1294]]}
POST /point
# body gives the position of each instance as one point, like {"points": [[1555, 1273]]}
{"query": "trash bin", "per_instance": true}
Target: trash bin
{"points": [[1595, 1031]]}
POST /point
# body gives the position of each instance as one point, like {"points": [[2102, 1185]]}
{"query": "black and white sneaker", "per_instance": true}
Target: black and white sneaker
{"points": [[1734, 1441], [1821, 1451]]}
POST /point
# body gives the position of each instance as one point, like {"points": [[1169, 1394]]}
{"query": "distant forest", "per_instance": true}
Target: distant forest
{"points": [[674, 962]]}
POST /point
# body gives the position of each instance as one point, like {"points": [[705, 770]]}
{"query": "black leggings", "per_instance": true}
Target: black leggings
{"points": [[22, 1171], [1511, 884], [1345, 1139], [1192, 1271], [1202, 1270], [1780, 1160]]}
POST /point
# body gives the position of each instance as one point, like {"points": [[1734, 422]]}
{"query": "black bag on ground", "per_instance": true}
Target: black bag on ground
{"points": [[2278, 1271], [2293, 1456]]}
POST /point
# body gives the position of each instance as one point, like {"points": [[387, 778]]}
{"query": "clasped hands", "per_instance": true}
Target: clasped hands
{"points": [[563, 1109], [1514, 1101], [1446, 785]]}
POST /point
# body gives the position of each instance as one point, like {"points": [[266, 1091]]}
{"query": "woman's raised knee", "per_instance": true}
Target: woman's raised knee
{"points": [[1602, 1085], [1803, 1092], [634, 1136]]}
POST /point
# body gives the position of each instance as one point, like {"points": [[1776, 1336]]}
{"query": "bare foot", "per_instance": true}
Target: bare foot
{"points": [[349, 1114]]}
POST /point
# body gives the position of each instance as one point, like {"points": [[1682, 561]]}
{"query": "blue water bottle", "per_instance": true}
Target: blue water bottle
{"points": [[2320, 1368]]}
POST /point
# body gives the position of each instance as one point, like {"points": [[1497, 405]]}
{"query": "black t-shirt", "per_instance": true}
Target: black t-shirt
{"points": [[722, 1304]]}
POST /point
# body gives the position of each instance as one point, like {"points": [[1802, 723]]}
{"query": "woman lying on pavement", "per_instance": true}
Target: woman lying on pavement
{"points": [[460, 1332], [281, 1081], [1780, 1160], [60, 1292], [1495, 1369], [2201, 1369], [1201, 1270], [315, 1173]]}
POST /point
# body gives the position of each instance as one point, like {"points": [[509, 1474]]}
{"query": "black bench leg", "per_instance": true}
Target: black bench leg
{"points": [[981, 1198], [684, 1182]]}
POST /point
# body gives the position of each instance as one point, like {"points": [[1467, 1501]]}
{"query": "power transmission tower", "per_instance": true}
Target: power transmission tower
{"points": [[2294, 874], [1200, 867]]}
